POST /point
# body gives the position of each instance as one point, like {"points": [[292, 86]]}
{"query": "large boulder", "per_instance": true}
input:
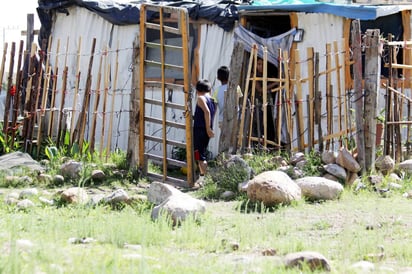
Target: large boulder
{"points": [[158, 192], [319, 188], [273, 188], [19, 159], [314, 260], [347, 161]]}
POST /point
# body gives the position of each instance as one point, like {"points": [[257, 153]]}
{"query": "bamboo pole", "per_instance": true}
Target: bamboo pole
{"points": [[280, 105], [81, 123], [63, 94], [318, 103], [265, 96], [288, 90], [245, 98], [76, 91], [3, 63], [311, 95], [28, 116], [44, 95], [252, 98], [96, 105], [339, 86], [107, 69], [60, 130], [329, 107], [16, 103], [299, 103], [8, 95], [53, 98], [116, 70]]}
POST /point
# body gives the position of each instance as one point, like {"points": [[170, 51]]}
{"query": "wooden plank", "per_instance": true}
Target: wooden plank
{"points": [[265, 96], [60, 131], [288, 95], [339, 87], [107, 69]]}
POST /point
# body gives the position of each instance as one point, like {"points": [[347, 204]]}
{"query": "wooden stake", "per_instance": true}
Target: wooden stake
{"points": [[245, 99], [76, 92], [116, 70], [311, 97], [8, 95], [107, 69], [3, 63], [81, 122], [96, 104], [61, 130], [16, 103], [299, 103], [329, 107], [53, 99]]}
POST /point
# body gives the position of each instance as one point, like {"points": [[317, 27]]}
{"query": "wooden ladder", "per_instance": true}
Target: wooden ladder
{"points": [[154, 35]]}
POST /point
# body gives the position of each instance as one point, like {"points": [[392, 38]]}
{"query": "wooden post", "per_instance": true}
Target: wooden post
{"points": [[372, 81], [8, 95], [299, 103], [311, 95], [54, 75], [16, 103], [133, 138], [3, 63], [96, 105], [339, 87], [358, 97], [288, 105], [109, 137], [230, 122], [329, 108], [76, 90], [245, 99], [317, 103], [30, 31]]}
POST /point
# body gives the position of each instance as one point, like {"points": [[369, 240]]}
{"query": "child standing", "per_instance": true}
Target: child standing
{"points": [[203, 124]]}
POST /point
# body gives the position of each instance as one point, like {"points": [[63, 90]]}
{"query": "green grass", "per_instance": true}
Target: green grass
{"points": [[344, 231]]}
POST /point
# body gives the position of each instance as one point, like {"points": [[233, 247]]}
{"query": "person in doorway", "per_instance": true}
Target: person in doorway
{"points": [[223, 77], [203, 124]]}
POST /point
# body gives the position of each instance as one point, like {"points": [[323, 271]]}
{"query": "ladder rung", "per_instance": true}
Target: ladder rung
{"points": [[172, 180], [160, 140], [157, 45], [165, 28], [168, 104], [158, 64], [168, 123], [158, 84], [169, 160]]}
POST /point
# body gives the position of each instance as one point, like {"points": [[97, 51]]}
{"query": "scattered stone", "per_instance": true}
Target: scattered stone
{"points": [[27, 180], [58, 179], [336, 170], [297, 157], [273, 188], [25, 204], [318, 188], [46, 201], [19, 159], [95, 200], [314, 260], [351, 179], [234, 246], [363, 267], [330, 177], [98, 175], [118, 196], [347, 161], [408, 194], [227, 195], [74, 195], [394, 186], [279, 161], [84, 240], [159, 192], [133, 247], [71, 169], [45, 178], [236, 160], [28, 193], [269, 252], [328, 157], [301, 164], [386, 164]]}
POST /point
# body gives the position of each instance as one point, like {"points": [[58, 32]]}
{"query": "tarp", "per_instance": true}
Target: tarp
{"points": [[352, 11]]}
